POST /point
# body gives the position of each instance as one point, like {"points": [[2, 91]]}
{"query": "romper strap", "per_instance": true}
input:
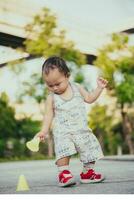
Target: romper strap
{"points": [[76, 89]]}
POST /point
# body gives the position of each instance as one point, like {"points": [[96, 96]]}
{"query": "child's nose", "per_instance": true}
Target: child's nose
{"points": [[55, 88]]}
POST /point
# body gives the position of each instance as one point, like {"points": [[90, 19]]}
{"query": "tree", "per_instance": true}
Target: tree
{"points": [[7, 122], [7, 119], [101, 124], [44, 39], [117, 63], [14, 133]]}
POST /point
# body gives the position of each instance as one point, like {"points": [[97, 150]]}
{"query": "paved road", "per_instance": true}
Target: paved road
{"points": [[41, 177]]}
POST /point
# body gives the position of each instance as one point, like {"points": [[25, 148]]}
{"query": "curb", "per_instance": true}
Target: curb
{"points": [[120, 158]]}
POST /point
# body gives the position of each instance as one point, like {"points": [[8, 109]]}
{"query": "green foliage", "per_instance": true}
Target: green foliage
{"points": [[99, 113], [118, 57], [34, 88], [107, 66], [114, 57], [125, 65], [2, 147], [26, 128], [44, 39], [14, 133], [125, 90], [7, 119], [102, 126], [79, 77], [119, 40]]}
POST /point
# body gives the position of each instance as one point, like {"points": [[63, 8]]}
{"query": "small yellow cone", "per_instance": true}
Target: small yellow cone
{"points": [[33, 145], [22, 184]]}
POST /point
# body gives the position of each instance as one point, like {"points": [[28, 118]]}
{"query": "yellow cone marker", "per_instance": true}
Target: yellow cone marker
{"points": [[33, 145], [22, 184]]}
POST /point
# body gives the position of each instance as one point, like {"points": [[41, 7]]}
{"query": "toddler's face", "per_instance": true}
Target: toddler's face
{"points": [[56, 81]]}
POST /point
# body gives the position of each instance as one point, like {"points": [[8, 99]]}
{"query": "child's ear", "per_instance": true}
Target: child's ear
{"points": [[68, 74]]}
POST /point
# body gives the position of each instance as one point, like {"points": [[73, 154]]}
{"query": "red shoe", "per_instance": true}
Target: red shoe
{"points": [[91, 177], [66, 179]]}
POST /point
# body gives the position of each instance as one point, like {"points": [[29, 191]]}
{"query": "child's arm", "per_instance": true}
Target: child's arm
{"points": [[91, 97], [47, 118]]}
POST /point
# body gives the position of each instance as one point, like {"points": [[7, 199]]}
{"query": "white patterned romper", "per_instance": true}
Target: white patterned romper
{"points": [[71, 131]]}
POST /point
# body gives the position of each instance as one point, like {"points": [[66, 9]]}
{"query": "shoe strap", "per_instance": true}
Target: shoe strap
{"points": [[65, 175], [95, 176]]}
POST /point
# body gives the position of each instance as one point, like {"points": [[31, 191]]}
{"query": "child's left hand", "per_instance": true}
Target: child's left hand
{"points": [[102, 83]]}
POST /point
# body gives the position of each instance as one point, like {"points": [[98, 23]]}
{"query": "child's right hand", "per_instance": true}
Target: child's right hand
{"points": [[41, 135]]}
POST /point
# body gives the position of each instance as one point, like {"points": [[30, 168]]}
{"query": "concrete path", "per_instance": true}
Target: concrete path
{"points": [[42, 177]]}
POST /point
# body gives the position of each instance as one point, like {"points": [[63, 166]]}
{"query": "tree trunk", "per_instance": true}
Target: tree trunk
{"points": [[127, 130], [99, 136], [50, 145]]}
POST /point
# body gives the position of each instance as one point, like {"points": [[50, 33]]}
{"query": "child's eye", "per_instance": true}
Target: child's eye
{"points": [[58, 84]]}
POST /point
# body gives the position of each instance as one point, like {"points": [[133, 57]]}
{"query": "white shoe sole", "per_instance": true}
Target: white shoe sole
{"points": [[71, 182], [86, 181]]}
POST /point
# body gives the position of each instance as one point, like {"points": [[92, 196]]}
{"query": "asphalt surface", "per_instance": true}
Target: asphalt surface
{"points": [[42, 177]]}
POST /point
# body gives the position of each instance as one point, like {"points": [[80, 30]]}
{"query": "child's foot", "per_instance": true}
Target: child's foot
{"points": [[91, 177], [66, 179]]}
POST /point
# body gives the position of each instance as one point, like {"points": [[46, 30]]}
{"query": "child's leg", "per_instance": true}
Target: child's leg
{"points": [[89, 165], [65, 176], [63, 161]]}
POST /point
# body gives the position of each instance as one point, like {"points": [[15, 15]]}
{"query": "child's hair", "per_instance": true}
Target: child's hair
{"points": [[53, 63]]}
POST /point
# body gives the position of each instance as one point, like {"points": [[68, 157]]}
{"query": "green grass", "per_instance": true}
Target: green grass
{"points": [[24, 158], [32, 157]]}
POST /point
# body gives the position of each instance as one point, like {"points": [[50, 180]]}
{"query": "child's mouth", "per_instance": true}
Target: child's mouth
{"points": [[57, 92]]}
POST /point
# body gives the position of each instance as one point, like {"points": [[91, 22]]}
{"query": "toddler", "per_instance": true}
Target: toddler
{"points": [[65, 107]]}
